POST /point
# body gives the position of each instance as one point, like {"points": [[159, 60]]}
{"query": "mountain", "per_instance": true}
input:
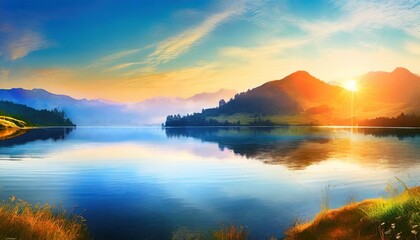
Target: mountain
{"points": [[307, 91], [155, 110], [301, 99], [392, 93], [104, 112], [81, 111], [396, 87], [297, 99]]}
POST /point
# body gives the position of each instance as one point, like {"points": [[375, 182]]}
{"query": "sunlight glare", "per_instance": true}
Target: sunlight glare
{"points": [[351, 85]]}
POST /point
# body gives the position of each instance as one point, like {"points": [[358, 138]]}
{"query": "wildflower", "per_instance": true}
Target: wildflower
{"points": [[415, 226], [414, 232], [392, 225]]}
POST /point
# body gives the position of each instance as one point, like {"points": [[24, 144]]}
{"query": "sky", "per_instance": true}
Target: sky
{"points": [[131, 50]]}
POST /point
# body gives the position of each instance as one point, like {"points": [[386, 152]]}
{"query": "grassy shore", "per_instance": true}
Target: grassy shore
{"points": [[394, 218], [20, 220]]}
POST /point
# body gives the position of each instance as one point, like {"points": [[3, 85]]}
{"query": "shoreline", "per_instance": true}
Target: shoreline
{"points": [[397, 217]]}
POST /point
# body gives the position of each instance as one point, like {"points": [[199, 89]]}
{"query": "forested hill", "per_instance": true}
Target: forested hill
{"points": [[34, 117], [302, 99]]}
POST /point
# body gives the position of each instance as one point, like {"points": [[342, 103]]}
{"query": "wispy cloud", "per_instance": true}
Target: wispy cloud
{"points": [[16, 43], [398, 14], [368, 16], [124, 65], [179, 44], [264, 50], [111, 58], [175, 46]]}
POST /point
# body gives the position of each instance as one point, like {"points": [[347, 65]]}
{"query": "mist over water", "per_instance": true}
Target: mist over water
{"points": [[149, 183]]}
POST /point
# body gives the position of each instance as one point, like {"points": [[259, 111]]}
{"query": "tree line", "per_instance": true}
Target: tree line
{"points": [[35, 117], [402, 120]]}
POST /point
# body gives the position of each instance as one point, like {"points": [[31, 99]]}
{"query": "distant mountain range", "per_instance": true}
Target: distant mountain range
{"points": [[103, 112], [297, 99], [301, 99]]}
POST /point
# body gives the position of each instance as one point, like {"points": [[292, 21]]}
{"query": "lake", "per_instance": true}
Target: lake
{"points": [[152, 183]]}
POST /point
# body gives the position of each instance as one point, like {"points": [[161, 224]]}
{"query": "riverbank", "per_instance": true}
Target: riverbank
{"points": [[394, 218]]}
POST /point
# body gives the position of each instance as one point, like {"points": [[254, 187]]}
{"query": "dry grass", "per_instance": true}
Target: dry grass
{"points": [[20, 220], [231, 233], [9, 122], [395, 218]]}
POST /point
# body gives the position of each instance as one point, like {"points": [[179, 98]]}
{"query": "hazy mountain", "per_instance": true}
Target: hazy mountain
{"points": [[396, 86], [300, 98], [81, 111], [104, 112], [394, 92], [155, 110]]}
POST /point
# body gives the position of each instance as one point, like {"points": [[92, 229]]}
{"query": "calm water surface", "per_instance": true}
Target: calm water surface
{"points": [[152, 183]]}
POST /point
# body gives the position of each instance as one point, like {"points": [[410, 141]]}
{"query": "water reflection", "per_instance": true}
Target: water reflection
{"points": [[400, 133], [7, 133], [12, 137], [299, 147], [149, 183]]}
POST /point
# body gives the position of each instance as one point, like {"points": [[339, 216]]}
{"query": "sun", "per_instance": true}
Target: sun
{"points": [[351, 85]]}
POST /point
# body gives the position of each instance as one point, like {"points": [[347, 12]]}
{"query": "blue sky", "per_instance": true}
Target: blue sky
{"points": [[132, 50]]}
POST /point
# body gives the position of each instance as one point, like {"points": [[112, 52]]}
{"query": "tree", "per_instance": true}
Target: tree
{"points": [[222, 102]]}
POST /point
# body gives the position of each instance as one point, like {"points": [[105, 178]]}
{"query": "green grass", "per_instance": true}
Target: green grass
{"points": [[398, 216], [394, 218], [21, 220]]}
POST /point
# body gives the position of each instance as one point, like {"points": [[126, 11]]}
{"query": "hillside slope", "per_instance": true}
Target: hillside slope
{"points": [[300, 98], [18, 115]]}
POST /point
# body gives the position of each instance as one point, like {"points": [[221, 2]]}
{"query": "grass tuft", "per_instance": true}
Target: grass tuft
{"points": [[394, 218], [21, 220], [231, 233], [398, 217]]}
